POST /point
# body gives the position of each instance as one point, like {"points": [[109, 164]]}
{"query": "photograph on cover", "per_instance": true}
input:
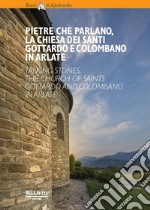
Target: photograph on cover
{"points": [[74, 109]]}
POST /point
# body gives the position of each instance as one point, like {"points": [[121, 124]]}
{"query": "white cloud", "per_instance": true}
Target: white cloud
{"points": [[88, 114], [86, 117], [89, 123], [116, 129]]}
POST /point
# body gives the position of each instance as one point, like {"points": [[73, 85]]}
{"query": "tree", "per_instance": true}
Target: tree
{"points": [[78, 163], [72, 162]]}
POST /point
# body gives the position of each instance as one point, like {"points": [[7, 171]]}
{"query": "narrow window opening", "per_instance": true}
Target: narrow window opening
{"points": [[60, 126]]}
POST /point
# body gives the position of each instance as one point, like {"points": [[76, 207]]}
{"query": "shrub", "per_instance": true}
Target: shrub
{"points": [[72, 162], [78, 163], [92, 173], [79, 173]]}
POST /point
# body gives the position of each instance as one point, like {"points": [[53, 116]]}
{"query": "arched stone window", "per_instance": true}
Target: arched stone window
{"points": [[60, 126]]}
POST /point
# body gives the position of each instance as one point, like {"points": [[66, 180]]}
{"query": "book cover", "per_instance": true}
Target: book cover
{"points": [[74, 105]]}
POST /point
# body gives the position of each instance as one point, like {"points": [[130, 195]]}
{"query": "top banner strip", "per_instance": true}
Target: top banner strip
{"points": [[75, 4]]}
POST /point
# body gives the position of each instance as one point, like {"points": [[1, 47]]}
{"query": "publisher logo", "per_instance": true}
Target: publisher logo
{"points": [[117, 192], [36, 195], [41, 6]]}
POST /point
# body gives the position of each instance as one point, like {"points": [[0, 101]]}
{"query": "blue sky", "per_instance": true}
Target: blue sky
{"points": [[106, 122]]}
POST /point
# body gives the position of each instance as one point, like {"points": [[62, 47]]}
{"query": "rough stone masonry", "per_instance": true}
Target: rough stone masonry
{"points": [[34, 131]]}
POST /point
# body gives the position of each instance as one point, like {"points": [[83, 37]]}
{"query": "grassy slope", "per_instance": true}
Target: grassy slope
{"points": [[94, 186]]}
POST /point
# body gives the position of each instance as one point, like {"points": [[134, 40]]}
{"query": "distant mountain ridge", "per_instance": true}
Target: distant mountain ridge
{"points": [[119, 159]]}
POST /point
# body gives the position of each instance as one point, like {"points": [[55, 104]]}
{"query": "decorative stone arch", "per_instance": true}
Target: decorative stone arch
{"points": [[60, 120], [60, 147], [60, 126]]}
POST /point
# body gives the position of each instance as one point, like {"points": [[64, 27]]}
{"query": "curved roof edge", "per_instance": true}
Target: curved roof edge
{"points": [[68, 92], [44, 21]]}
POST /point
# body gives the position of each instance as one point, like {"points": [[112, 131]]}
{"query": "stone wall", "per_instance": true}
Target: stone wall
{"points": [[32, 156]]}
